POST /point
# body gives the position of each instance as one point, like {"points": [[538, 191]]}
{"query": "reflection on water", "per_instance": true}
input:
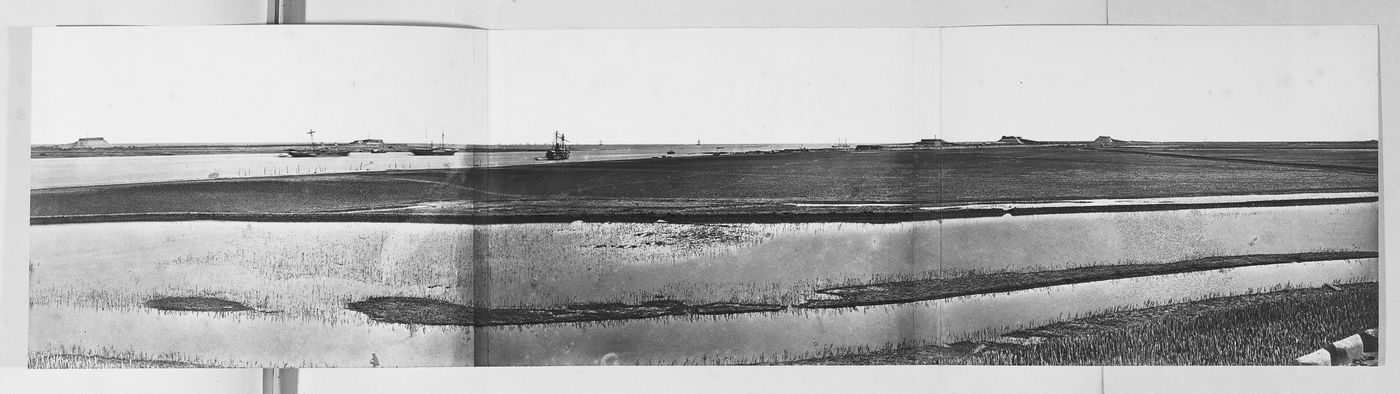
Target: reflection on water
{"points": [[247, 338], [806, 333]]}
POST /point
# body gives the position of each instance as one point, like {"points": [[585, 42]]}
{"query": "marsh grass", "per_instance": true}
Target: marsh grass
{"points": [[314, 269], [55, 356], [73, 356], [1261, 326], [1258, 329], [293, 270], [196, 304], [275, 268]]}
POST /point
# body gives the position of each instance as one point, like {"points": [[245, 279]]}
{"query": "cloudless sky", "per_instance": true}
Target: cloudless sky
{"points": [[1283, 83], [272, 83], [714, 85], [885, 85], [254, 83]]}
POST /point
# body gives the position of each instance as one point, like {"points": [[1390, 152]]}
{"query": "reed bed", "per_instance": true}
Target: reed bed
{"points": [[1261, 326], [313, 270], [275, 268], [77, 357], [1261, 329], [55, 356]]}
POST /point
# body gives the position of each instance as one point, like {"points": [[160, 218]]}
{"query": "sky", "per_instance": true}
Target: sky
{"points": [[961, 84], [256, 84], [712, 85], [408, 84], [1289, 83]]}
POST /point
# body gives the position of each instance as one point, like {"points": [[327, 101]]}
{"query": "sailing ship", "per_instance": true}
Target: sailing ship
{"points": [[560, 151], [316, 151], [433, 150]]}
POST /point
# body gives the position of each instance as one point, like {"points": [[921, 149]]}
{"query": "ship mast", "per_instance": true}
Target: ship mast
{"points": [[559, 141]]}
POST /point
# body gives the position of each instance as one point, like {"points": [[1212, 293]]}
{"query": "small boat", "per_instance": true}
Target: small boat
{"points": [[560, 151]]}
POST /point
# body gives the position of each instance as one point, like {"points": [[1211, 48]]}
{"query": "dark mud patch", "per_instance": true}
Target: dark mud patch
{"points": [[412, 310], [513, 212], [196, 304], [933, 289]]}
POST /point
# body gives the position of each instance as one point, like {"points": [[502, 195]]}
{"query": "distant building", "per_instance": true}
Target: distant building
{"points": [[368, 141], [1011, 139], [931, 142], [91, 143], [1016, 140], [1104, 142]]}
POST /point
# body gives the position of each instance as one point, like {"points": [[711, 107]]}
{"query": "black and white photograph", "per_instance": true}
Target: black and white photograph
{"points": [[307, 196]]}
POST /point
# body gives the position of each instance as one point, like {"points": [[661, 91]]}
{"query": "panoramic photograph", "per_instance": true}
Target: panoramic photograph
{"points": [[378, 196]]}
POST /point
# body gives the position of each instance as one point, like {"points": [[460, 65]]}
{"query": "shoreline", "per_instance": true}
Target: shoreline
{"points": [[935, 289], [194, 150]]}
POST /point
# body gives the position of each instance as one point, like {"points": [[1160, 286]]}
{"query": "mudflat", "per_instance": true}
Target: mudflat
{"points": [[728, 188]]}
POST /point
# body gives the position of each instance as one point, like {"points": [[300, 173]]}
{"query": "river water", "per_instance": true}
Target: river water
{"points": [[85, 171]]}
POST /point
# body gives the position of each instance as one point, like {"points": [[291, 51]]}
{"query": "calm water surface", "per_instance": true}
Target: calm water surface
{"points": [[82, 171]]}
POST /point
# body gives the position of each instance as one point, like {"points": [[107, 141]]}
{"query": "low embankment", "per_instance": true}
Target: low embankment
{"points": [[410, 310], [932, 289]]}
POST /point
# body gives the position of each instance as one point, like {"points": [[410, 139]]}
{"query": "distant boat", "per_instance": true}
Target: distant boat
{"points": [[433, 150], [560, 151], [319, 152], [316, 151], [437, 151]]}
